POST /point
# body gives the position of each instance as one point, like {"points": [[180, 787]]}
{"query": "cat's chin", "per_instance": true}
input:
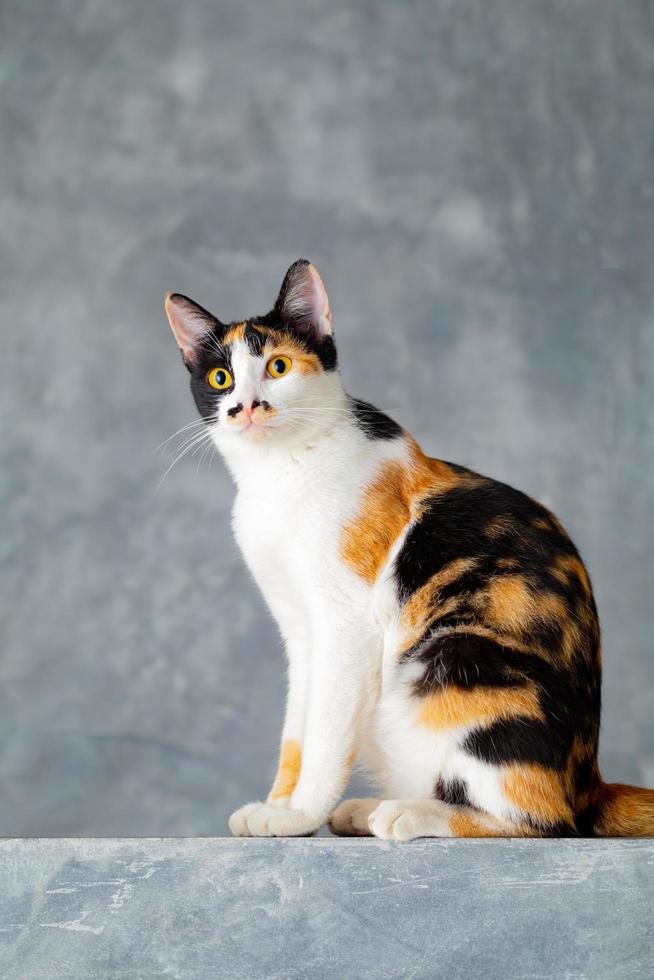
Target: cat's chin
{"points": [[253, 432]]}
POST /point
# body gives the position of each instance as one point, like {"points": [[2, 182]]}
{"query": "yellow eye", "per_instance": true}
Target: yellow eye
{"points": [[219, 378], [277, 366]]}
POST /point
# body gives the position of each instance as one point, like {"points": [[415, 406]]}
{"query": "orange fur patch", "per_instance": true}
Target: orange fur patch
{"points": [[571, 640], [510, 602], [550, 607], [288, 770], [303, 360], [568, 566], [260, 414], [539, 793], [625, 811], [386, 511], [452, 707], [393, 500], [511, 605], [236, 333], [500, 525], [466, 823]]}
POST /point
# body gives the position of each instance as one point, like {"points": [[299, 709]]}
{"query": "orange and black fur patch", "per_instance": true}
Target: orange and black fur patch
{"points": [[500, 617]]}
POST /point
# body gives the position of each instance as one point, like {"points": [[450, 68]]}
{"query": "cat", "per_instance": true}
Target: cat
{"points": [[440, 627]]}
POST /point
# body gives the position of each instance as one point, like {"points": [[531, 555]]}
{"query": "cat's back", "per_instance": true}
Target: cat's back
{"points": [[488, 523]]}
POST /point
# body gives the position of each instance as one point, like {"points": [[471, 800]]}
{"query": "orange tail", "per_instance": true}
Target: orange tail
{"points": [[624, 811]]}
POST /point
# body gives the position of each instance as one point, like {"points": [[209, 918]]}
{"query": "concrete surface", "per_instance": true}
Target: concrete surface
{"points": [[475, 182], [212, 908]]}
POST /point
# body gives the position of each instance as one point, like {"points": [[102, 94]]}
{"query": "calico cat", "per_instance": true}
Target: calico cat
{"points": [[440, 627]]}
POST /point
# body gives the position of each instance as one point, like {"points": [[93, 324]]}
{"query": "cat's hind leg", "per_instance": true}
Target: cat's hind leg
{"points": [[404, 820], [350, 819]]}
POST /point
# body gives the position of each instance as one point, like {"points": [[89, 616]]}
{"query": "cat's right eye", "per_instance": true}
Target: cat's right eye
{"points": [[219, 378]]}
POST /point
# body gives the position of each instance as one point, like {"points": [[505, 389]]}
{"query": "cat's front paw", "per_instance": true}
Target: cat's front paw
{"points": [[404, 820], [270, 820]]}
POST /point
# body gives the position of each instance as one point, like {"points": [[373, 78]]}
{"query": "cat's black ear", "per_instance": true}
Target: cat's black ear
{"points": [[190, 323], [302, 302]]}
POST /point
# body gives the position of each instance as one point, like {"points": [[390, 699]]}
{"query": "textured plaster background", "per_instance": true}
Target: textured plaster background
{"points": [[475, 182]]}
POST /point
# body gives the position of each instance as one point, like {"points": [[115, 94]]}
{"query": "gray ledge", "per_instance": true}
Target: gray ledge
{"points": [[205, 908]]}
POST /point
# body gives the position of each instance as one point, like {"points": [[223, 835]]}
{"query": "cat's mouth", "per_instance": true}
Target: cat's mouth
{"points": [[253, 429], [252, 419]]}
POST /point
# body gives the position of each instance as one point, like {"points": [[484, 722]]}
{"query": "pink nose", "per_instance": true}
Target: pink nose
{"points": [[249, 409]]}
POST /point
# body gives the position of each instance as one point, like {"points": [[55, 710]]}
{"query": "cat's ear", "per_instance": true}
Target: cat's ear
{"points": [[302, 302], [190, 323]]}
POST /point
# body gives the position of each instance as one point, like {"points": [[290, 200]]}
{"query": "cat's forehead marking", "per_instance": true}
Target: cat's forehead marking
{"points": [[304, 360], [234, 333], [257, 340], [252, 334]]}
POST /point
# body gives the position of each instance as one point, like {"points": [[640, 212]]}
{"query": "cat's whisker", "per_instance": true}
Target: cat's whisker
{"points": [[196, 448], [197, 439], [193, 434], [190, 441], [205, 428], [207, 449], [189, 425]]}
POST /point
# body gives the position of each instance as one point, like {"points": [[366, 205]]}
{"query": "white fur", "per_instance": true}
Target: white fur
{"points": [[300, 479]]}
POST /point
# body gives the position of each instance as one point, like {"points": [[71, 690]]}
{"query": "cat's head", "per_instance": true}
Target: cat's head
{"points": [[266, 379]]}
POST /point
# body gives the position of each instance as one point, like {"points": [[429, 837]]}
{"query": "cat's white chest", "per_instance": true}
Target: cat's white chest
{"points": [[276, 527], [288, 527], [289, 518]]}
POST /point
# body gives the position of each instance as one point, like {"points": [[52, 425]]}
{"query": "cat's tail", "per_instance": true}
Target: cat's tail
{"points": [[624, 811]]}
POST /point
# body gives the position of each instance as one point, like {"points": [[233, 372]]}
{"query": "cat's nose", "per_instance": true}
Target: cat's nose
{"points": [[249, 409]]}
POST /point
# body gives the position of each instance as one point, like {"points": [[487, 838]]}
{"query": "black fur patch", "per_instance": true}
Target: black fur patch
{"points": [[209, 355], [322, 346], [374, 423], [454, 525], [559, 829], [586, 821], [452, 791], [254, 340], [519, 740], [465, 660]]}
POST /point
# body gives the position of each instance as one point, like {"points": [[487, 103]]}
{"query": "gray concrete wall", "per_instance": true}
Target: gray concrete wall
{"points": [[476, 183], [342, 909]]}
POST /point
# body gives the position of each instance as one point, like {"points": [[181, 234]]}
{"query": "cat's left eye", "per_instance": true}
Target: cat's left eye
{"points": [[277, 366]]}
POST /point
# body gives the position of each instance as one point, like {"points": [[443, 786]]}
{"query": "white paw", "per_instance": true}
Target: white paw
{"points": [[350, 819], [404, 820], [269, 820], [238, 821]]}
